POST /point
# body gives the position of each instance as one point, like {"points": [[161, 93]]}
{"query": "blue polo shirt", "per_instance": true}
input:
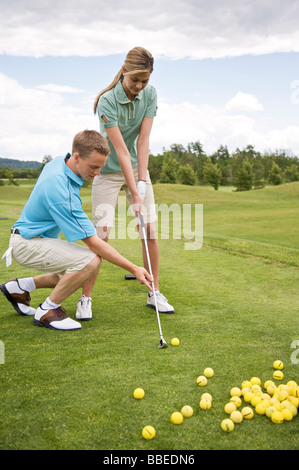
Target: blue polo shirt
{"points": [[127, 115], [55, 206]]}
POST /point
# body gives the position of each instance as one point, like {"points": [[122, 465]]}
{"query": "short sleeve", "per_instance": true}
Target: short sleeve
{"points": [[108, 108], [151, 108], [74, 223]]}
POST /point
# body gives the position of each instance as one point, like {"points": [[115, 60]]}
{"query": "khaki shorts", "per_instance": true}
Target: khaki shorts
{"points": [[105, 191], [51, 255]]}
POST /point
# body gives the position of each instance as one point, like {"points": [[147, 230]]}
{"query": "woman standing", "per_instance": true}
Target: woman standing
{"points": [[126, 110]]}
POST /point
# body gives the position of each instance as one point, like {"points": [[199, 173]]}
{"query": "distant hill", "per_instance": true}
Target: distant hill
{"points": [[19, 164]]}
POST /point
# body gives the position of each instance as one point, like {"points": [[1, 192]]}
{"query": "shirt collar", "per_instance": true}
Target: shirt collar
{"points": [[68, 172], [121, 96]]}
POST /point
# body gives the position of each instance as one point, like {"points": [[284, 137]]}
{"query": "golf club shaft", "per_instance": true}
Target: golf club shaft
{"points": [[150, 270]]}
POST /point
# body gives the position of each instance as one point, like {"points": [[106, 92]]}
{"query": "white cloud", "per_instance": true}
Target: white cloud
{"points": [[52, 87], [173, 28], [214, 126], [35, 121], [244, 102]]}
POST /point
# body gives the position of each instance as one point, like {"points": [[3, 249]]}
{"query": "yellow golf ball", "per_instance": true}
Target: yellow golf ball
{"points": [[287, 414], [273, 401], [292, 383], [245, 390], [148, 432], [278, 375], [255, 381], [246, 384], [294, 401], [271, 389], [227, 425], [265, 396], [278, 364], [256, 400], [176, 417], [235, 392], [175, 341], [293, 409], [208, 372], [248, 397], [236, 416], [138, 393], [285, 404], [283, 395], [201, 380], [261, 408], [205, 404], [247, 412], [187, 411], [229, 408], [236, 401], [267, 383], [207, 395], [270, 410], [277, 417]]}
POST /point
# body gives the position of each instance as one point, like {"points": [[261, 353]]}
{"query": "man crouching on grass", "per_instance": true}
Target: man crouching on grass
{"points": [[55, 206]]}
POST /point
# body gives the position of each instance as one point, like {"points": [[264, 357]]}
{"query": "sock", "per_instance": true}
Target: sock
{"points": [[48, 305], [156, 291], [27, 283]]}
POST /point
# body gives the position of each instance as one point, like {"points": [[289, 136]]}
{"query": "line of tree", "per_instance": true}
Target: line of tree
{"points": [[12, 174], [19, 164], [245, 169]]}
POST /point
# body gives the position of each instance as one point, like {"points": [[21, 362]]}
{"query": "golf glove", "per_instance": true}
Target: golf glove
{"points": [[141, 188]]}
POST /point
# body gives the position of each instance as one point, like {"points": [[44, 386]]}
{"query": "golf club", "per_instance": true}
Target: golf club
{"points": [[162, 343]]}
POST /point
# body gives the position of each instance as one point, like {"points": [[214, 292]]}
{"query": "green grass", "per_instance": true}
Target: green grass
{"points": [[236, 302]]}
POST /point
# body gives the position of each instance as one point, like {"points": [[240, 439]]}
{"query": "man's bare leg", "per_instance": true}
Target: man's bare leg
{"points": [[45, 281], [69, 283]]}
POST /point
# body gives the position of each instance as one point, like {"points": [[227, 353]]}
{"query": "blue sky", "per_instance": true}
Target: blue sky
{"points": [[225, 75]]}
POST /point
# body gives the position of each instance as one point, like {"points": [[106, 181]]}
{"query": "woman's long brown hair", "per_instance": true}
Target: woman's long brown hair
{"points": [[138, 60]]}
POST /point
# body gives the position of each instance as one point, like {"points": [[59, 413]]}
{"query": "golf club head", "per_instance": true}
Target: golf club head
{"points": [[162, 344]]}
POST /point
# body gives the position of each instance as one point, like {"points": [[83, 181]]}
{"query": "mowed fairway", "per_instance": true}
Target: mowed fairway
{"points": [[236, 311]]}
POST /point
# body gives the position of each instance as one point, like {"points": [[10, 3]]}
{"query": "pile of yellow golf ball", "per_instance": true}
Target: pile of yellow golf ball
{"points": [[273, 399], [278, 402]]}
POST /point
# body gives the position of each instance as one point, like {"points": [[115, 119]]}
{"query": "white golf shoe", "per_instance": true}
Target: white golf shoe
{"points": [[162, 303], [19, 298], [55, 319], [84, 311]]}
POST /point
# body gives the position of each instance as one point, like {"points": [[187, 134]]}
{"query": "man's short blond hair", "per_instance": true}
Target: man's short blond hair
{"points": [[87, 141]]}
